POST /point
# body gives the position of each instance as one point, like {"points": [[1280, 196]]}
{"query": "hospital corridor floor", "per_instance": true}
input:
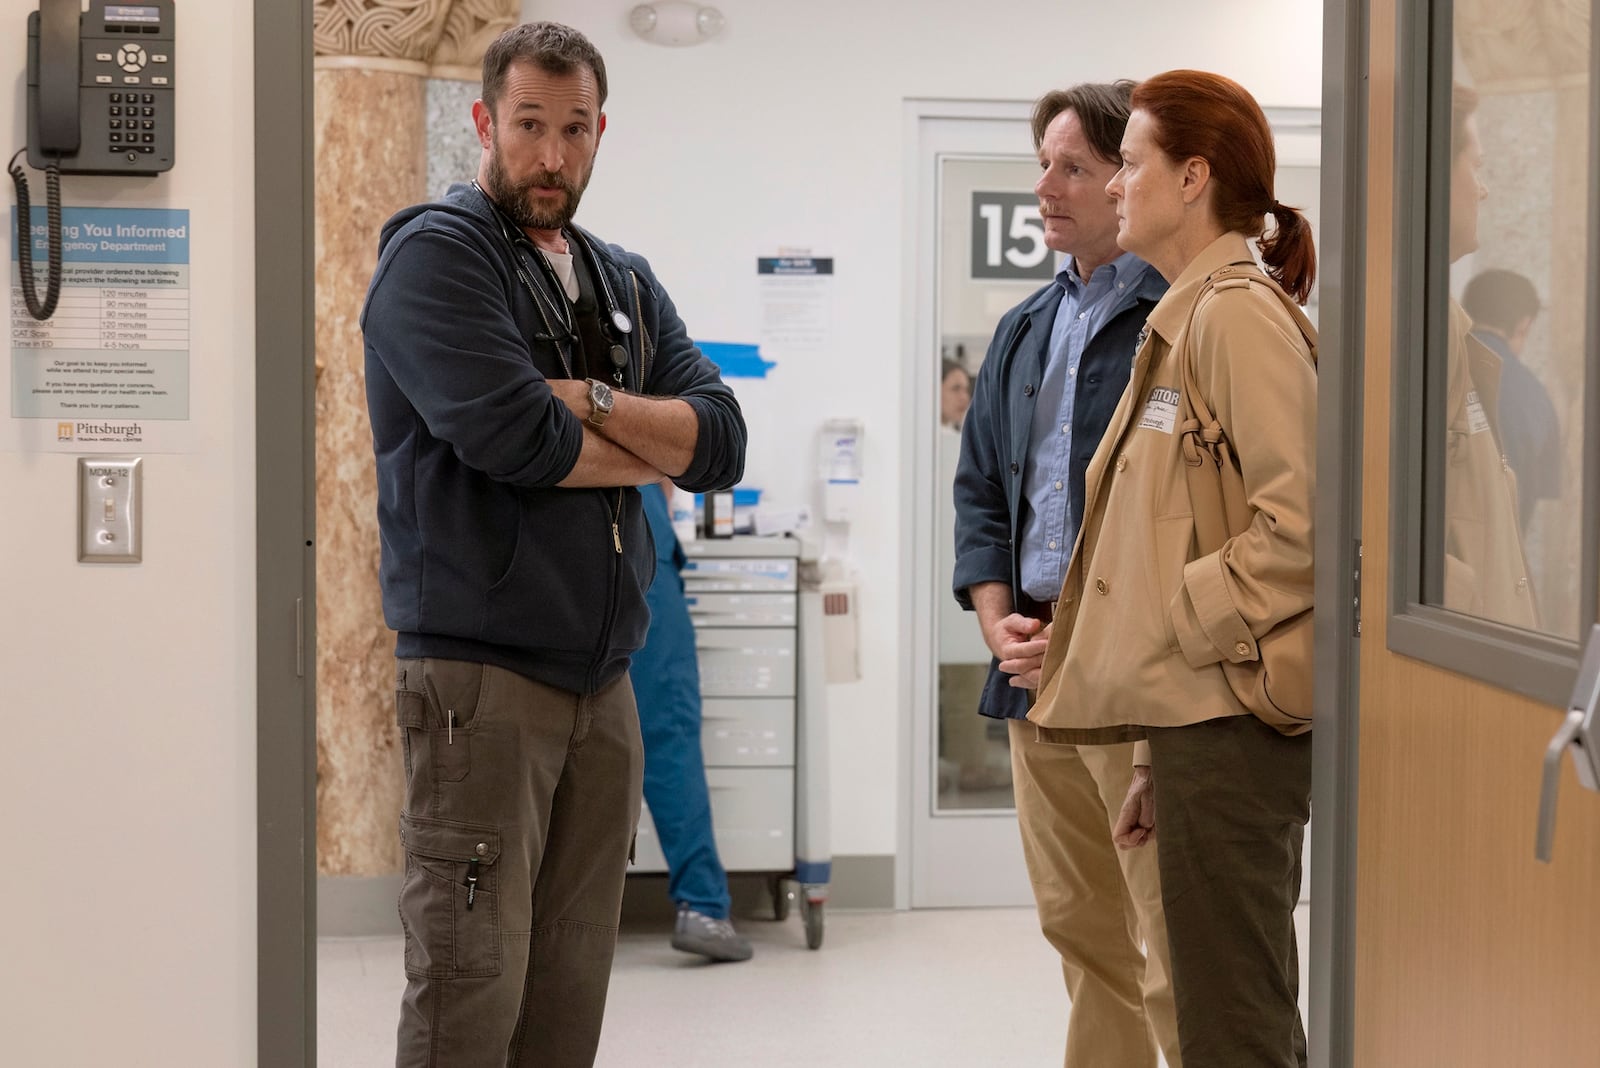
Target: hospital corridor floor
{"points": [[964, 988]]}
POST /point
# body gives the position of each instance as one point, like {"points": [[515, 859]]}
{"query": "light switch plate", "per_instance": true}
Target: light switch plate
{"points": [[110, 496]]}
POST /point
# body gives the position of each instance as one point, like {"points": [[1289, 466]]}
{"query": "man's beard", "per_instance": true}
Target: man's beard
{"points": [[527, 211]]}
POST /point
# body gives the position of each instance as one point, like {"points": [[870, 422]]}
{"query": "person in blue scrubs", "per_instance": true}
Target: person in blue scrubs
{"points": [[666, 682]]}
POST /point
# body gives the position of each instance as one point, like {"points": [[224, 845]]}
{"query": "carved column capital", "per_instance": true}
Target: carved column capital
{"points": [[384, 29], [1521, 45], [446, 37], [471, 25]]}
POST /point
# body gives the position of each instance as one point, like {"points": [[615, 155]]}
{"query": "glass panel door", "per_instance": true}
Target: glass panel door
{"points": [[973, 225]]}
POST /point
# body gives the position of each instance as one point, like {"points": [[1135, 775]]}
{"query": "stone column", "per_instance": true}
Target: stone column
{"points": [[373, 62]]}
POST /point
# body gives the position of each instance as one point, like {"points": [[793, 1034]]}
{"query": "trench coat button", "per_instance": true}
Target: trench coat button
{"points": [[1014, 467], [1242, 648], [1122, 463], [1027, 391], [1101, 587], [482, 850]]}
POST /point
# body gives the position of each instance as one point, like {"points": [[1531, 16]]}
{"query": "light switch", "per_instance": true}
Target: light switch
{"points": [[109, 492]]}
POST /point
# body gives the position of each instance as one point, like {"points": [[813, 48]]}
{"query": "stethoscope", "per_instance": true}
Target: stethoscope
{"points": [[619, 326]]}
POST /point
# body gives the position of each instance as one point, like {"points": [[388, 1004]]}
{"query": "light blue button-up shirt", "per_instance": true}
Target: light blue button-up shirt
{"points": [[1050, 528]]}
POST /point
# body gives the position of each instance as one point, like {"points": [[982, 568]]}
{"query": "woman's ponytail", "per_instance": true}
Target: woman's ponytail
{"points": [[1290, 253]]}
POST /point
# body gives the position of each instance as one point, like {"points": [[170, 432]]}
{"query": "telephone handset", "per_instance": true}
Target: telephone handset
{"points": [[100, 101]]}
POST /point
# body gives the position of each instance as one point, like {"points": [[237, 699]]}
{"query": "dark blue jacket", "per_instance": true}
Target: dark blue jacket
{"points": [[995, 440], [484, 557]]}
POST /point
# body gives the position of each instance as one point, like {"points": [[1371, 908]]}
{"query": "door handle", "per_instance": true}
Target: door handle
{"points": [[1580, 733]]}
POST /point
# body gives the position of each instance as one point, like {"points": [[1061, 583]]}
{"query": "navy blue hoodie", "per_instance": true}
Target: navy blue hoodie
{"points": [[484, 557]]}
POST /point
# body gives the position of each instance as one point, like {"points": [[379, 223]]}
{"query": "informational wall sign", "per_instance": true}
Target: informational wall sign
{"points": [[1008, 237], [796, 303], [109, 370]]}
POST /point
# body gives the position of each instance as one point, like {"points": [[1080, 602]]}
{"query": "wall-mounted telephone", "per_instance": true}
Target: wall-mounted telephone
{"points": [[100, 101]]}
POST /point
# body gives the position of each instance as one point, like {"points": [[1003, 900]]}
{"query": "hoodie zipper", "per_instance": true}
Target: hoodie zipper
{"points": [[616, 519], [616, 593]]}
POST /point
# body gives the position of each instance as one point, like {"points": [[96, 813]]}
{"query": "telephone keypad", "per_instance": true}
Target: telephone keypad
{"points": [[140, 109]]}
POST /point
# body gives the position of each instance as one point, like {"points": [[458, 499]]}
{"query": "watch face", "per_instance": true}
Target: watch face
{"points": [[600, 396]]}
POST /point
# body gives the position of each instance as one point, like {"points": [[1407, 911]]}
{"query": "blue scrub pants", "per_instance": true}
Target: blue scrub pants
{"points": [[666, 681]]}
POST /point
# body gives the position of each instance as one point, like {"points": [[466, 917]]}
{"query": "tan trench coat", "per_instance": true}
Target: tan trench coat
{"points": [[1485, 571], [1141, 626]]}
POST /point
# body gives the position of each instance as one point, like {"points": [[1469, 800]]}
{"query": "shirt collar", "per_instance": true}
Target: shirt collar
{"points": [[1125, 268]]}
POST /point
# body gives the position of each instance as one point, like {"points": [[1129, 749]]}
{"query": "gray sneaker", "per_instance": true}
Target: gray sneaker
{"points": [[695, 932]]}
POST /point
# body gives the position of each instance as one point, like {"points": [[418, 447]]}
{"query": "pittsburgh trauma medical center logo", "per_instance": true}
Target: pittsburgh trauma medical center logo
{"points": [[100, 432]]}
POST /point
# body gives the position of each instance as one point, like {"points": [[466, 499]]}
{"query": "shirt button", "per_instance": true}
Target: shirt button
{"points": [[1122, 463], [1522, 584], [1058, 484], [1066, 428], [1052, 545], [1014, 467], [1027, 391], [1083, 315], [1243, 648], [1073, 373], [1101, 587]]}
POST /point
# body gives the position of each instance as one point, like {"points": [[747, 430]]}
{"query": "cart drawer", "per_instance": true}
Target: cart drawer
{"points": [[749, 731], [752, 812], [746, 661], [742, 609], [711, 575]]}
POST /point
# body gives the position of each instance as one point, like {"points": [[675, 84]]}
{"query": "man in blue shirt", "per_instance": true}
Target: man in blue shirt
{"points": [[1053, 375], [1503, 305]]}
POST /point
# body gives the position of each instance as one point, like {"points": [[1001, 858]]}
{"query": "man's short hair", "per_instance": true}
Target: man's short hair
{"points": [[550, 46], [1500, 299], [1102, 110]]}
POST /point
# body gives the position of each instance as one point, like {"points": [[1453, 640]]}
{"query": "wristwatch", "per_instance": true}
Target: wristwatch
{"points": [[600, 402]]}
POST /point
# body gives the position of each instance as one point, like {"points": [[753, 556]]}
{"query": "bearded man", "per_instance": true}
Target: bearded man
{"points": [[523, 378]]}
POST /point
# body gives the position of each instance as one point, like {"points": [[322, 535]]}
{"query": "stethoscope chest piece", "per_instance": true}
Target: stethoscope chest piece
{"points": [[620, 320]]}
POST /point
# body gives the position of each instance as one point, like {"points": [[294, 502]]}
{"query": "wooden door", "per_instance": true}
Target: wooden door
{"points": [[1468, 951]]}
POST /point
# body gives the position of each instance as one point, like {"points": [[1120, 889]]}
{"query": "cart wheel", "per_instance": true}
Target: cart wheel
{"points": [[811, 913], [780, 897]]}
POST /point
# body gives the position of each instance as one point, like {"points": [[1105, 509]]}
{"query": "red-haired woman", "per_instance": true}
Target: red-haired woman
{"points": [[1148, 616]]}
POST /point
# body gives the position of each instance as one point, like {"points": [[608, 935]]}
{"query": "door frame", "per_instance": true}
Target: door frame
{"points": [[1335, 741], [285, 382], [918, 696]]}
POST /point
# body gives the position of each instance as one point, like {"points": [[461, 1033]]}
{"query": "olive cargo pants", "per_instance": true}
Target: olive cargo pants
{"points": [[521, 804]]}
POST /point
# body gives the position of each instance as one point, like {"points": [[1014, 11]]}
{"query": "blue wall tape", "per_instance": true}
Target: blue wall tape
{"points": [[735, 360]]}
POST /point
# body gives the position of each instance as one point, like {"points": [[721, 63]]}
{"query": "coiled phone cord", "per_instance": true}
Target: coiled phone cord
{"points": [[52, 186]]}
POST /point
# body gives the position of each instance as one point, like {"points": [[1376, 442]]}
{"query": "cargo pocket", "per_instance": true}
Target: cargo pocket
{"points": [[438, 721], [450, 900]]}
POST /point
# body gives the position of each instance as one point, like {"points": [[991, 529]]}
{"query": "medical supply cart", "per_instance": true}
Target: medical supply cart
{"points": [[757, 610]]}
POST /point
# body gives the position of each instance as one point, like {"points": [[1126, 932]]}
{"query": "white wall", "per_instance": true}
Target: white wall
{"points": [[788, 129], [128, 769]]}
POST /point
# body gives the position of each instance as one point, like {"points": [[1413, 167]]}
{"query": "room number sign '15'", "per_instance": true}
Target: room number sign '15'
{"points": [[1008, 237]]}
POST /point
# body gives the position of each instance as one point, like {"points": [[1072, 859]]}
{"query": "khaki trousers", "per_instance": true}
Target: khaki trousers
{"points": [[521, 803], [1097, 904]]}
